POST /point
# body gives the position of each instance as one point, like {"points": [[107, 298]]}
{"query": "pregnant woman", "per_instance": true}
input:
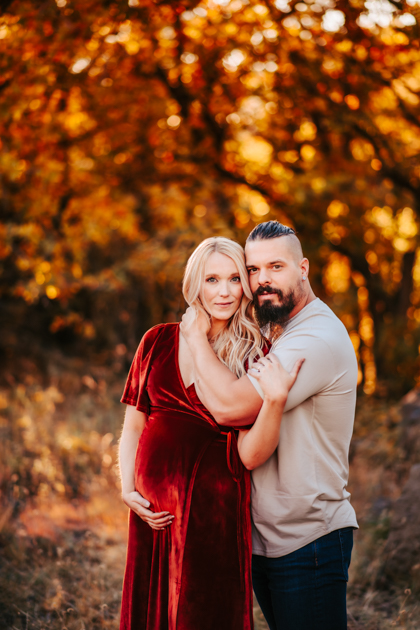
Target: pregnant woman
{"points": [[189, 548]]}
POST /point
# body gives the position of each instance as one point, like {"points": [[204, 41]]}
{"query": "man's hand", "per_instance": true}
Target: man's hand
{"points": [[194, 322], [275, 381], [139, 505]]}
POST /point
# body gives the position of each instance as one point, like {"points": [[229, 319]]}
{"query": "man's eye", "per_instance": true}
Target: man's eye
{"points": [[252, 269], [277, 266]]}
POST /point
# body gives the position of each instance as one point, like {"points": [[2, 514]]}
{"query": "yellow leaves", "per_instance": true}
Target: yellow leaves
{"points": [[277, 171], [132, 46], [334, 232], [384, 99], [352, 101], [52, 292], [80, 64], [332, 66], [289, 156], [75, 120], [344, 46], [192, 33], [401, 229], [382, 218], [366, 330], [405, 93], [406, 228], [231, 28], [251, 201], [337, 274], [200, 210], [173, 121], [336, 96], [308, 152], [406, 222], [360, 52], [355, 339], [318, 184], [308, 130], [361, 149], [4, 31], [337, 208], [232, 60], [256, 150]]}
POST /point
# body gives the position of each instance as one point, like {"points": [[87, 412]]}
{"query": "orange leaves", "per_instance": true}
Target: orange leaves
{"points": [[75, 119]]}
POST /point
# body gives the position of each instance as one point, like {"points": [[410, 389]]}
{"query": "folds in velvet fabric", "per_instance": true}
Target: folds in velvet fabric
{"points": [[195, 574]]}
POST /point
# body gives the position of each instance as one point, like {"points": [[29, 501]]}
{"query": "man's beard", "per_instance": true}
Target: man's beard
{"points": [[275, 315]]}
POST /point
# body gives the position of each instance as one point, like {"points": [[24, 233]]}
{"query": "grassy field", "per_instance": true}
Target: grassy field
{"points": [[63, 525]]}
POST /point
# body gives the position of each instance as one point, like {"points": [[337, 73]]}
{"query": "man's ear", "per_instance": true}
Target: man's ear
{"points": [[304, 265]]}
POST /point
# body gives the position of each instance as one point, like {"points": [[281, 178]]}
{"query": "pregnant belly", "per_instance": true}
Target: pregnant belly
{"points": [[168, 454]]}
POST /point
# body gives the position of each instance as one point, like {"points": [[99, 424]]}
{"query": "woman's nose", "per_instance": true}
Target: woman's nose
{"points": [[224, 288]]}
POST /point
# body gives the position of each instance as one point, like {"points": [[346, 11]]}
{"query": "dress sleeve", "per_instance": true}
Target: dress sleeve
{"points": [[135, 390]]}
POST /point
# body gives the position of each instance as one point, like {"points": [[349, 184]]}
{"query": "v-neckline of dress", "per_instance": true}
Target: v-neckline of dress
{"points": [[178, 369]]}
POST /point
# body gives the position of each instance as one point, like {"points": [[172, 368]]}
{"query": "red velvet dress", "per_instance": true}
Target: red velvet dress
{"points": [[196, 573]]}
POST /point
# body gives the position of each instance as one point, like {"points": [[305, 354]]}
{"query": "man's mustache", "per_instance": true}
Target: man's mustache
{"points": [[267, 290]]}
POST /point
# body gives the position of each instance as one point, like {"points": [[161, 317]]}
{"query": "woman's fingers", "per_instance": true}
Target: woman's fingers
{"points": [[296, 369], [156, 520], [272, 375]]}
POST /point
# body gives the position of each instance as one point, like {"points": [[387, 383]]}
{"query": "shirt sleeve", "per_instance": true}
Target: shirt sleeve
{"points": [[317, 372]]}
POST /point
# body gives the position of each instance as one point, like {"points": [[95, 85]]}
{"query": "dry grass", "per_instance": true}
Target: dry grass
{"points": [[63, 526]]}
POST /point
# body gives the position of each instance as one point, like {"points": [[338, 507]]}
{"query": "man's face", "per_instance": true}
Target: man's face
{"points": [[276, 269]]}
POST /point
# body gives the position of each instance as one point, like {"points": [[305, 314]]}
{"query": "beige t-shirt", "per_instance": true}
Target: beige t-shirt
{"points": [[299, 493]]}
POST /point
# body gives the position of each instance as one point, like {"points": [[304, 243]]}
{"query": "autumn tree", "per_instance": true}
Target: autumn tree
{"points": [[133, 130]]}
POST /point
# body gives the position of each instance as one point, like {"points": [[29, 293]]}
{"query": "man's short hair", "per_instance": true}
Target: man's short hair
{"points": [[269, 229]]}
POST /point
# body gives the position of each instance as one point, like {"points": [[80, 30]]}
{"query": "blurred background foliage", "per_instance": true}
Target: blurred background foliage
{"points": [[132, 130]]}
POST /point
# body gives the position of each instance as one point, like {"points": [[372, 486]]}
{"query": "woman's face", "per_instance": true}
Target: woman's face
{"points": [[221, 293]]}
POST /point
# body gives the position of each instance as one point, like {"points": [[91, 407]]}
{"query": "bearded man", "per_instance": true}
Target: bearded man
{"points": [[302, 518]]}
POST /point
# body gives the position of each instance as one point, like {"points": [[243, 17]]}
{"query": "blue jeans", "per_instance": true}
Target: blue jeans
{"points": [[306, 590]]}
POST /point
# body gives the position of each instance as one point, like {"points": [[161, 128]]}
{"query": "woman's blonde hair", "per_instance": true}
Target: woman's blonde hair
{"points": [[240, 339]]}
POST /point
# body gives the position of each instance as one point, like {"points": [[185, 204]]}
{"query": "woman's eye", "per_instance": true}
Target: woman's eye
{"points": [[236, 279], [210, 279]]}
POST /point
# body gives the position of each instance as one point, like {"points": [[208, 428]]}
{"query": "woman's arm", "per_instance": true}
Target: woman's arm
{"points": [[231, 401], [134, 424], [257, 444]]}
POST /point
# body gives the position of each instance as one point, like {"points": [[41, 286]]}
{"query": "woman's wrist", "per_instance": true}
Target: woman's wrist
{"points": [[278, 399], [126, 490]]}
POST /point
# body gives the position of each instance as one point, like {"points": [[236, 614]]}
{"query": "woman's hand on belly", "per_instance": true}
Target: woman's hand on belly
{"points": [[137, 503]]}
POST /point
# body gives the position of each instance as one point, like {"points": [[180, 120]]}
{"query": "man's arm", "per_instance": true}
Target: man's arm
{"points": [[232, 401], [317, 373]]}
